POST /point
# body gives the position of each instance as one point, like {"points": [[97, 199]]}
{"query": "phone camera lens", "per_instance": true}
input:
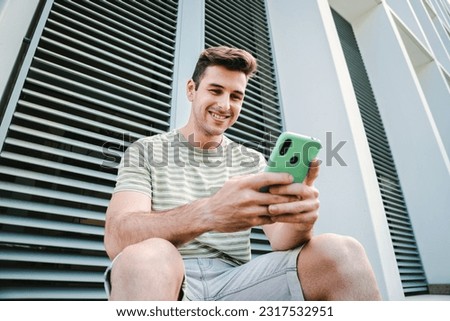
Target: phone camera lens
{"points": [[285, 147], [293, 160]]}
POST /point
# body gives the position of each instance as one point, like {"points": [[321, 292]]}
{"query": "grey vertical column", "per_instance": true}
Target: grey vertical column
{"points": [[422, 163], [190, 42], [319, 100]]}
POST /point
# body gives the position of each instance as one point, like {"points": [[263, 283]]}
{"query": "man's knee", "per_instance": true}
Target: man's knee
{"points": [[157, 255], [336, 251], [149, 270], [334, 267]]}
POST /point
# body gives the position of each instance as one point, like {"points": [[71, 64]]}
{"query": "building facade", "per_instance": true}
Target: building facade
{"points": [[81, 80]]}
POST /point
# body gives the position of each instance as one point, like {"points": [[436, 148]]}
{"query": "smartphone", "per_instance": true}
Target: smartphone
{"points": [[293, 154]]}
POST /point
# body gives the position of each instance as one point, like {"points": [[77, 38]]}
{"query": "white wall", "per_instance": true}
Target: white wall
{"points": [[421, 161], [317, 96], [436, 43], [15, 17]]}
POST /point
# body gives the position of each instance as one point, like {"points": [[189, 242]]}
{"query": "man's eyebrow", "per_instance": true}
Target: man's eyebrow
{"points": [[222, 87]]}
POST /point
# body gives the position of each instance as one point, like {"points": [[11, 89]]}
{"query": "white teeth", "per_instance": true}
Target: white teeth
{"points": [[216, 116]]}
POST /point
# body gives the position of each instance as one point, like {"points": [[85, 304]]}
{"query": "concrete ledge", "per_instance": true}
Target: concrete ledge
{"points": [[439, 289], [428, 297]]}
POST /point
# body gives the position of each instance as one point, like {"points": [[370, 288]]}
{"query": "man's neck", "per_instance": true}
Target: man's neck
{"points": [[200, 140]]}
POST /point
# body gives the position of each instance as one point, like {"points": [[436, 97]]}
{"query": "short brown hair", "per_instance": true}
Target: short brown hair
{"points": [[231, 58]]}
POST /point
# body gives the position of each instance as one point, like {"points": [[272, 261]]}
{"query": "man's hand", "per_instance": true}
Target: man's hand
{"points": [[239, 204], [304, 208], [294, 219]]}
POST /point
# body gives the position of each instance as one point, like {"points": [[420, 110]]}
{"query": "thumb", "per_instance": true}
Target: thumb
{"points": [[313, 172]]}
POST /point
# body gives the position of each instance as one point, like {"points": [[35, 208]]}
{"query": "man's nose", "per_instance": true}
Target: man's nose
{"points": [[224, 103]]}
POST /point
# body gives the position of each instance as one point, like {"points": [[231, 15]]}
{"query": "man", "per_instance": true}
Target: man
{"points": [[179, 220]]}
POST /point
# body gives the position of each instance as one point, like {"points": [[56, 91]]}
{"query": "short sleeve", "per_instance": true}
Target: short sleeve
{"points": [[134, 172], [262, 163]]}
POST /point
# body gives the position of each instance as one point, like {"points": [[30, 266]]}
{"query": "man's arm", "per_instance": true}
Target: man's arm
{"points": [[129, 220], [294, 221], [238, 205]]}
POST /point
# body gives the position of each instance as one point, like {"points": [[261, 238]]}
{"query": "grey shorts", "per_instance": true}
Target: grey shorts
{"points": [[268, 277]]}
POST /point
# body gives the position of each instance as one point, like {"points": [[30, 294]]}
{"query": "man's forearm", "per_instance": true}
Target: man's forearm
{"points": [[179, 226], [286, 236]]}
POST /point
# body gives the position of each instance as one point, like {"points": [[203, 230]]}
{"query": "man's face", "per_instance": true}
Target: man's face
{"points": [[217, 102]]}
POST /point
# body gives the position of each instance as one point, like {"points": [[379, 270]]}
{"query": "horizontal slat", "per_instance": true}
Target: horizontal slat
{"points": [[48, 55], [48, 293], [72, 42], [229, 26], [258, 237], [52, 241], [392, 195], [404, 252], [51, 209], [68, 105], [73, 37], [59, 152], [58, 275], [249, 136], [63, 140], [59, 180], [59, 166], [99, 84], [261, 134], [94, 92], [45, 224], [409, 258], [152, 10], [396, 208], [34, 256], [67, 128], [401, 235], [257, 9], [238, 21], [419, 288], [255, 119], [52, 194], [257, 247], [138, 24], [101, 62], [99, 102], [413, 279], [413, 271], [84, 22]]}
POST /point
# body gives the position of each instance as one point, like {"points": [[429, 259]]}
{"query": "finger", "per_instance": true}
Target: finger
{"points": [[268, 198], [313, 172], [301, 191], [291, 189], [264, 179], [294, 207], [307, 218], [259, 216]]}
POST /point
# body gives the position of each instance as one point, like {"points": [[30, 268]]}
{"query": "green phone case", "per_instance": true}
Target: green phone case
{"points": [[292, 154]]}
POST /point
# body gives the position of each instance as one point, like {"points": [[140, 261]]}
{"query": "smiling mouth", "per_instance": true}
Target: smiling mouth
{"points": [[218, 116]]}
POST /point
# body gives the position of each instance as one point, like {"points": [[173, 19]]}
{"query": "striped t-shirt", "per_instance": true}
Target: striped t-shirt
{"points": [[173, 173]]}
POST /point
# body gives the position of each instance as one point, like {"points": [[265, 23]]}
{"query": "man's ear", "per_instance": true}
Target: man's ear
{"points": [[190, 89]]}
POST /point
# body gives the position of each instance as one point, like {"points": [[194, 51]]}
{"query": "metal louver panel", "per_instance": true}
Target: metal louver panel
{"points": [[243, 24], [405, 247], [100, 78]]}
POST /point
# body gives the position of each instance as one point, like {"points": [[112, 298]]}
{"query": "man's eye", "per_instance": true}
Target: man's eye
{"points": [[215, 91], [236, 97]]}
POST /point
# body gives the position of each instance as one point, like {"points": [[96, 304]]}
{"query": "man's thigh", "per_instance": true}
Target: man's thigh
{"points": [[269, 277]]}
